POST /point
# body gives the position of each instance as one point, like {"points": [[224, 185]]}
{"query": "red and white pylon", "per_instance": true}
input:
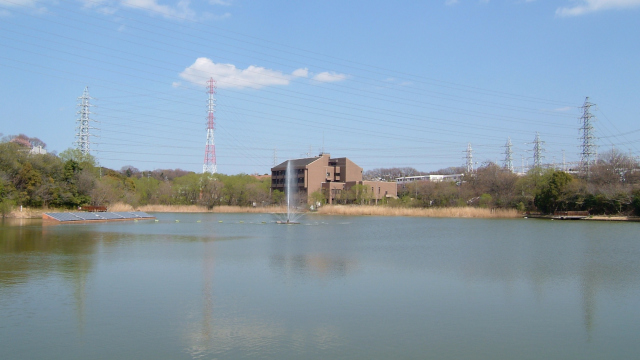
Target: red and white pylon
{"points": [[210, 165]]}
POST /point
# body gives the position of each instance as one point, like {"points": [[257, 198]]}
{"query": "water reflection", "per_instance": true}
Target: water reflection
{"points": [[241, 290], [322, 266]]}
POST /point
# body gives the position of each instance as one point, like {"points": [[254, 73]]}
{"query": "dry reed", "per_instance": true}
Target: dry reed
{"points": [[452, 212], [217, 209], [346, 210], [119, 206], [27, 213]]}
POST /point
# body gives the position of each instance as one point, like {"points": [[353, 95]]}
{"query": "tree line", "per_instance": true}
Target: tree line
{"points": [[611, 186], [71, 179]]}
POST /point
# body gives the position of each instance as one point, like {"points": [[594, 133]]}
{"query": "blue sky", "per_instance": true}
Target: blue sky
{"points": [[387, 84]]}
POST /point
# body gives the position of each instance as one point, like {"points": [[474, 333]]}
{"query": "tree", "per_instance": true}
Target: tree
{"points": [[359, 194], [495, 181], [85, 161], [186, 189], [6, 206], [277, 197], [318, 197], [553, 195], [26, 182], [129, 171], [211, 191], [146, 189]]}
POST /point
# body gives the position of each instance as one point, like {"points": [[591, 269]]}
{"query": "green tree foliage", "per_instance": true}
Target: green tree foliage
{"points": [[6, 206], [485, 201], [635, 202], [211, 191], [553, 195], [72, 179], [277, 197], [359, 194], [85, 161], [318, 197]]}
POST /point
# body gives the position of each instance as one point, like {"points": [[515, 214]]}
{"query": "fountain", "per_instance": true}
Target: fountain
{"points": [[290, 188]]}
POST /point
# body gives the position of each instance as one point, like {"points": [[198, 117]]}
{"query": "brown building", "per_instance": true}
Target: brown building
{"points": [[332, 176]]}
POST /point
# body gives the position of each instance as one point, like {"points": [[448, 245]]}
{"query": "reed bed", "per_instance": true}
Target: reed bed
{"points": [[451, 212], [27, 213], [216, 209], [120, 207], [347, 210]]}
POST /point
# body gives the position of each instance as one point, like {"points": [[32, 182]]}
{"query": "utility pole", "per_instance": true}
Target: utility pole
{"points": [[275, 157], [508, 156], [589, 149]]}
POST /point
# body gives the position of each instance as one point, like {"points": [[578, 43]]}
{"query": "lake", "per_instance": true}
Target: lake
{"points": [[239, 286]]}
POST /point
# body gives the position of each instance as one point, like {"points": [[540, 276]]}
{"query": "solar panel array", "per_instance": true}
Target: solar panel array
{"points": [[141, 214], [111, 216], [85, 216], [63, 216]]}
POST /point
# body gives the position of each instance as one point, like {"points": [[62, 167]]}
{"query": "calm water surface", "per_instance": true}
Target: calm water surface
{"points": [[228, 286]]}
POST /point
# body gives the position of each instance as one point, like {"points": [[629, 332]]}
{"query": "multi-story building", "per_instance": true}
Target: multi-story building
{"points": [[432, 178], [332, 176]]}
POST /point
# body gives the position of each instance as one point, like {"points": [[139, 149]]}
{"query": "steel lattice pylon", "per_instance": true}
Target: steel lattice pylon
{"points": [[508, 156], [589, 149], [83, 134], [210, 165], [469, 158], [537, 151]]}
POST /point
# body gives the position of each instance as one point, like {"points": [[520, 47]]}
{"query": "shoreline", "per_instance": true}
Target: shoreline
{"points": [[334, 210]]}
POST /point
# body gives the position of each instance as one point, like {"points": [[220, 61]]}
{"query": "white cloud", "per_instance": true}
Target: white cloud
{"points": [[301, 73], [177, 9], [31, 4], [15, 3], [180, 10], [229, 76], [176, 84], [450, 2], [588, 6], [329, 77]]}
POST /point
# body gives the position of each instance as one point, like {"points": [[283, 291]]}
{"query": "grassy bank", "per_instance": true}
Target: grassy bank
{"points": [[453, 212]]}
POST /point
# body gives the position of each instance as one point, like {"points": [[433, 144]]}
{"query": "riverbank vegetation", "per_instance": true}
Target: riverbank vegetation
{"points": [[461, 212], [69, 180]]}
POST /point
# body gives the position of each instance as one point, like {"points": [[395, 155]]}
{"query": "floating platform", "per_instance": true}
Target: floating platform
{"points": [[97, 216], [570, 215], [287, 222]]}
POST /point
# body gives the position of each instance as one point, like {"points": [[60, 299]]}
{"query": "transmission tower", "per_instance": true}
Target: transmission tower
{"points": [[469, 158], [589, 149], [508, 156], [537, 151], [210, 165], [83, 127]]}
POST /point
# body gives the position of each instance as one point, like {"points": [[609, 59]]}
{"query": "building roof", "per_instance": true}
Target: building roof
{"points": [[296, 163]]}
